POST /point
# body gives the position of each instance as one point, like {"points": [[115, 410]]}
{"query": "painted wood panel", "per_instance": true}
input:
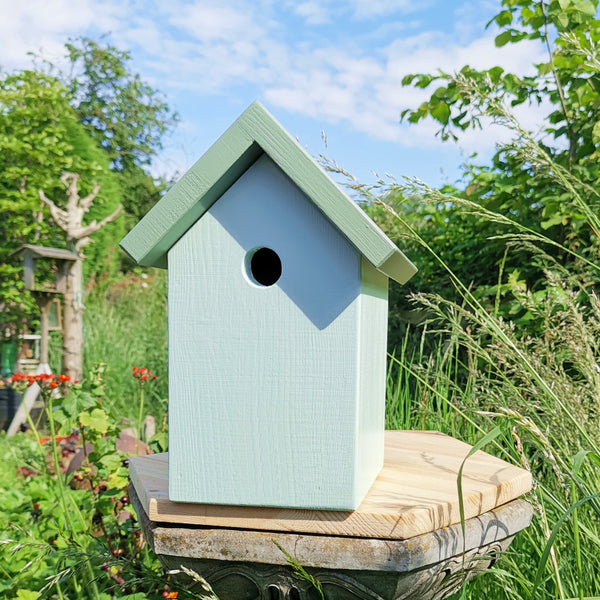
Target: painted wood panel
{"points": [[415, 493], [265, 381], [371, 375]]}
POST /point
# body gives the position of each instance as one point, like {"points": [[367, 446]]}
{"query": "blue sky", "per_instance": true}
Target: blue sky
{"points": [[319, 66]]}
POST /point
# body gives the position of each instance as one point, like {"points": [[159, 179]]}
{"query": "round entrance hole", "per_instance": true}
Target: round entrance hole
{"points": [[263, 266]]}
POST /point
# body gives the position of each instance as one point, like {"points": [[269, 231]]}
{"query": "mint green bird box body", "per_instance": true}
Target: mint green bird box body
{"points": [[277, 326]]}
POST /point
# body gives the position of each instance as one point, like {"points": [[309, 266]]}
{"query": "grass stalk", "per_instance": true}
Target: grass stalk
{"points": [[62, 495], [140, 420]]}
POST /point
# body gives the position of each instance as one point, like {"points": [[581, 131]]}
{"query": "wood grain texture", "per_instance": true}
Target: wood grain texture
{"points": [[415, 493], [277, 394], [256, 132]]}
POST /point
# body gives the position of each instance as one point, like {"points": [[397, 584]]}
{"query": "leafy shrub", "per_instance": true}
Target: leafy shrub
{"points": [[71, 533]]}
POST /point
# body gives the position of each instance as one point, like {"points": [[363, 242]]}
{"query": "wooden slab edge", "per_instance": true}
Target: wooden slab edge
{"points": [[416, 493]]}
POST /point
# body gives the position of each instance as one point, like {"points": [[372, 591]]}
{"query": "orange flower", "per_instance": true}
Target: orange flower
{"points": [[142, 373], [42, 379]]}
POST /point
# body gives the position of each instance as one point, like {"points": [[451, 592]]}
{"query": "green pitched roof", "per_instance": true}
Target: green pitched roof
{"points": [[256, 132]]}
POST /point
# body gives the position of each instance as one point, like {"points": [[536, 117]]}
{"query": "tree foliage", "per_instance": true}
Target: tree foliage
{"points": [[526, 189], [124, 114], [40, 138], [101, 121]]}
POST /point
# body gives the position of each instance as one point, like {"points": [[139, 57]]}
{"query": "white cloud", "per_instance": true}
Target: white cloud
{"points": [[329, 11], [314, 13], [41, 25], [368, 94], [371, 9], [209, 23]]}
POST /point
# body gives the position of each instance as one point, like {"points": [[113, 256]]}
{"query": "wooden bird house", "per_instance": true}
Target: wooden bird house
{"points": [[45, 269], [277, 317]]}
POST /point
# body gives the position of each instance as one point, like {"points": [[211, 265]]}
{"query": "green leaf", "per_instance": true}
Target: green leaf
{"points": [[581, 456], [111, 461], [557, 219], [585, 7], [562, 20], [504, 18], [76, 401], [27, 595], [96, 420], [596, 133], [502, 39], [423, 81], [495, 73], [441, 112]]}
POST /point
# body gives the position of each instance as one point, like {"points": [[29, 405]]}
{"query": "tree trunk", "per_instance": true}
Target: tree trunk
{"points": [[70, 220], [73, 322]]}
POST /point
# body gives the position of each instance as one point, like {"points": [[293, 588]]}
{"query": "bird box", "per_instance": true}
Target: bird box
{"points": [[277, 312], [45, 269]]}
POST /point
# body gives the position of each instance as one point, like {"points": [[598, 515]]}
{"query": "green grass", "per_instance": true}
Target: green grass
{"points": [[543, 392], [126, 326], [464, 372]]}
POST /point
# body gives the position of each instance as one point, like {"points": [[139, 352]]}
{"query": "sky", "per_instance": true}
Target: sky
{"points": [[329, 71]]}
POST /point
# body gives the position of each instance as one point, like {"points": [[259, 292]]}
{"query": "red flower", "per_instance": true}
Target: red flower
{"points": [[48, 380], [142, 373]]}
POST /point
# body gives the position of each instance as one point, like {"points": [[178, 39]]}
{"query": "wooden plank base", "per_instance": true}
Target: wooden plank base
{"points": [[415, 493]]}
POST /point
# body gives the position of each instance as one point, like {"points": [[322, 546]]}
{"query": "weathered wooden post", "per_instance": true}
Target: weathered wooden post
{"points": [[277, 364], [45, 273]]}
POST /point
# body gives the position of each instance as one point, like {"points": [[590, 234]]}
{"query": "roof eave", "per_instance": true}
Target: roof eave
{"points": [[209, 178]]}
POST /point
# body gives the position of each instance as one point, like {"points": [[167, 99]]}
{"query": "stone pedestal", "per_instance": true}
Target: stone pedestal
{"points": [[404, 542], [251, 565]]}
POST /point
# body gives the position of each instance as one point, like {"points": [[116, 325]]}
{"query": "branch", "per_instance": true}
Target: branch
{"points": [[559, 89], [58, 214], [80, 243], [71, 180], [86, 202], [90, 229]]}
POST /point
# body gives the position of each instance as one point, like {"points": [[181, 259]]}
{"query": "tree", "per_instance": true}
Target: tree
{"points": [[125, 115], [568, 82], [70, 220], [40, 138]]}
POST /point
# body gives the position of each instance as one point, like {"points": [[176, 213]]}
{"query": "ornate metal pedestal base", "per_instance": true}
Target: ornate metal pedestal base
{"points": [[250, 565]]}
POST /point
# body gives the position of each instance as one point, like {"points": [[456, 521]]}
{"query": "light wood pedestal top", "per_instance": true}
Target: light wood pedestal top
{"points": [[415, 493]]}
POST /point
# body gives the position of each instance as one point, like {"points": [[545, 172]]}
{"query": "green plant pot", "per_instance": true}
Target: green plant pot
{"points": [[9, 402], [9, 358]]}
